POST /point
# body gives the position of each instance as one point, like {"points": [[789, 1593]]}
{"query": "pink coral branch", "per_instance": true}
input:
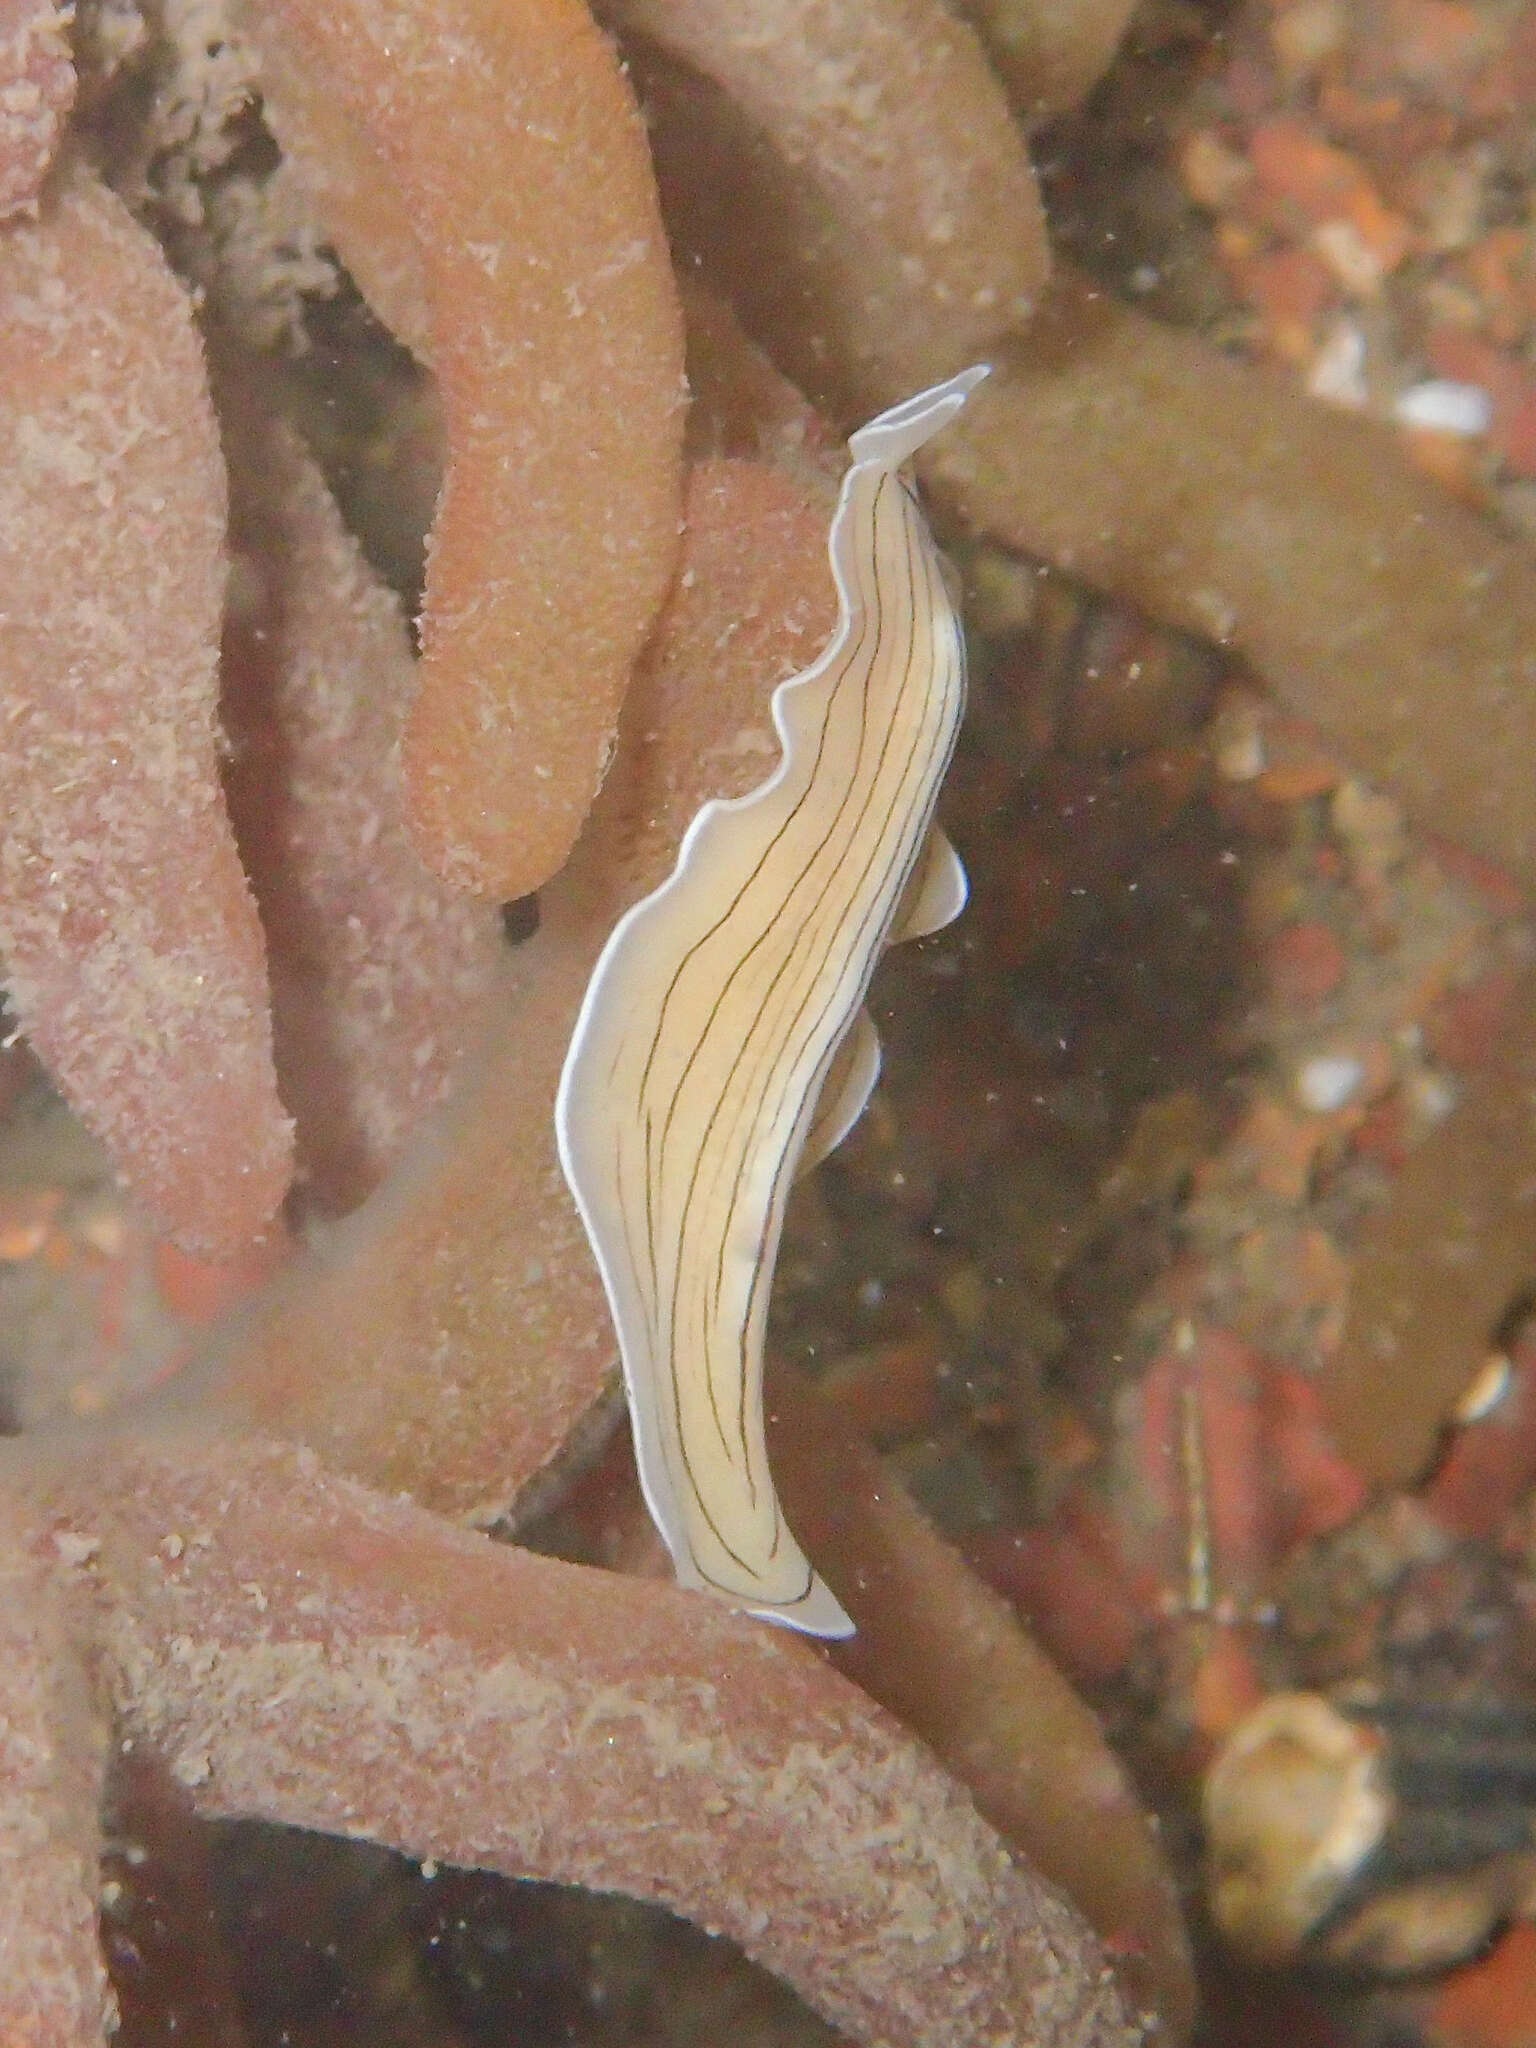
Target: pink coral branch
{"points": [[492, 164], [129, 934], [379, 969], [303, 1650], [945, 1653], [37, 89], [53, 1741]]}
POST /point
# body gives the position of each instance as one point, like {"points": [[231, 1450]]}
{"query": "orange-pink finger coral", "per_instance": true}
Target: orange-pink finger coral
{"points": [[128, 932], [297, 1647], [486, 163], [53, 1744], [951, 1659], [379, 969]]}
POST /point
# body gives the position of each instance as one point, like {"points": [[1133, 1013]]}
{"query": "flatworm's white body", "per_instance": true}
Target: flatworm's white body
{"points": [[711, 1043]]}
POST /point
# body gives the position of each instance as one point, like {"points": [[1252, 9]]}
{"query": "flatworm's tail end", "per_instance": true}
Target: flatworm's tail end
{"points": [[818, 1613], [892, 436]]}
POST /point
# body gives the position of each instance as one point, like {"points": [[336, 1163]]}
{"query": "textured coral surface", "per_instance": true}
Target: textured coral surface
{"points": [[271, 1578], [128, 927]]}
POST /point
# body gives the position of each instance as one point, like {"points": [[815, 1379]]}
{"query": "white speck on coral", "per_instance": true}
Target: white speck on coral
{"points": [[1329, 1081]]}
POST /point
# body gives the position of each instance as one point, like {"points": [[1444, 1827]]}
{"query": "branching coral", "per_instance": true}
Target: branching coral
{"points": [[355, 1624], [37, 84], [855, 179], [946, 1654], [851, 177], [1221, 500], [378, 968], [1048, 58], [691, 1758], [556, 531], [149, 1002], [52, 1756]]}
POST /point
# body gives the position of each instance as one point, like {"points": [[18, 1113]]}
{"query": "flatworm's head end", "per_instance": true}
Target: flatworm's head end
{"points": [[892, 436], [965, 381]]}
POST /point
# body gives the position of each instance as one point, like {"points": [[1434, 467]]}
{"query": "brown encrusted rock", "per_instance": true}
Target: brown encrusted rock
{"points": [[1219, 499], [953, 1660], [1049, 53], [852, 176], [129, 936]]}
